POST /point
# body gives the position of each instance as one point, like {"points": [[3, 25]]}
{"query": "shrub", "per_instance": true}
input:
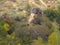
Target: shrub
{"points": [[51, 14]]}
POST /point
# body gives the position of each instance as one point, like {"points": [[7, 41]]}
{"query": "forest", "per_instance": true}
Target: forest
{"points": [[29, 22]]}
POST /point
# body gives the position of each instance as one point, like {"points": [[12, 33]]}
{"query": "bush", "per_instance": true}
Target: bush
{"points": [[39, 41], [29, 33], [24, 35], [51, 14]]}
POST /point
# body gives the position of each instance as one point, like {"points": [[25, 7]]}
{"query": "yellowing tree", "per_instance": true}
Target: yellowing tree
{"points": [[52, 39], [6, 27]]}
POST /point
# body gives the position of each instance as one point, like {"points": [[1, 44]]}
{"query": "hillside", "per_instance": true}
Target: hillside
{"points": [[29, 22]]}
